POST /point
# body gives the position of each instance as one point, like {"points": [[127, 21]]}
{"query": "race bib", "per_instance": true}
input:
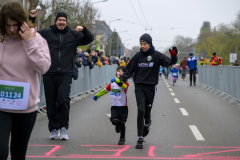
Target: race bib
{"points": [[115, 93], [14, 95], [174, 74]]}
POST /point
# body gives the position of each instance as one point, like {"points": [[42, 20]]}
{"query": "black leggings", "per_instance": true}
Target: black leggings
{"points": [[20, 126], [193, 74], [145, 95]]}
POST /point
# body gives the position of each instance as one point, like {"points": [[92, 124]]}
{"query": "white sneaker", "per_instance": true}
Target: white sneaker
{"points": [[54, 134], [63, 134]]}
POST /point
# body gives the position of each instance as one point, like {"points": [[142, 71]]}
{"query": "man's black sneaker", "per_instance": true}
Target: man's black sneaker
{"points": [[117, 129], [190, 84], [139, 144], [194, 84], [121, 141]]}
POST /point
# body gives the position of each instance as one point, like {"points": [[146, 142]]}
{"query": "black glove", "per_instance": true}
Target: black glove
{"points": [[123, 79], [120, 84]]}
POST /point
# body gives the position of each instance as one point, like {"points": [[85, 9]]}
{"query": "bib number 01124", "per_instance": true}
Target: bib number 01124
{"points": [[11, 95], [11, 92]]}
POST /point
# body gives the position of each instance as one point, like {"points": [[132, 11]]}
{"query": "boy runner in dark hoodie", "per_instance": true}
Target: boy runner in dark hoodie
{"points": [[145, 66]]}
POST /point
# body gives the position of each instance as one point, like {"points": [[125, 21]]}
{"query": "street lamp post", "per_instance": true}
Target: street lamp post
{"points": [[92, 18], [92, 5], [109, 44], [38, 8]]}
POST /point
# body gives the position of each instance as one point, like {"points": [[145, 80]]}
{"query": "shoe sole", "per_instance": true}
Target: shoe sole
{"points": [[121, 143], [139, 147]]}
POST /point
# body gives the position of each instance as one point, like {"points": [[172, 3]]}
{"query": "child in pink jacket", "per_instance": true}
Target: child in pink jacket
{"points": [[23, 54]]}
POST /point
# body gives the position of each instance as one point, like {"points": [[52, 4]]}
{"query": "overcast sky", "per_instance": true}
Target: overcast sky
{"points": [[167, 18]]}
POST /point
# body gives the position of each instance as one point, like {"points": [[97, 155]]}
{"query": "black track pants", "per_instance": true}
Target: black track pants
{"points": [[57, 90], [193, 74], [20, 126], [144, 95]]}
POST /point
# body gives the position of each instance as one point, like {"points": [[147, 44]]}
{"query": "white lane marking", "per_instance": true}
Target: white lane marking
{"points": [[168, 86], [196, 133], [170, 89], [109, 115], [172, 94], [176, 100], [166, 83], [184, 112]]}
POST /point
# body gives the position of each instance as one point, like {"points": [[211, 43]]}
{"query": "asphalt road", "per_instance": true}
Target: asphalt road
{"points": [[187, 123]]}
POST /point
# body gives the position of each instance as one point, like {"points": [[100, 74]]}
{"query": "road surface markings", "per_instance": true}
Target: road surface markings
{"points": [[184, 112], [170, 89], [173, 94], [109, 115], [176, 100], [196, 133], [166, 83], [168, 86]]}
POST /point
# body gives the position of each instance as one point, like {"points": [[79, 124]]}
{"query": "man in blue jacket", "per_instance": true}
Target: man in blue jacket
{"points": [[192, 67]]}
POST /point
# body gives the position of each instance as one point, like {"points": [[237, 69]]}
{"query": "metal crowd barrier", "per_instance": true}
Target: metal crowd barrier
{"points": [[222, 80], [88, 80]]}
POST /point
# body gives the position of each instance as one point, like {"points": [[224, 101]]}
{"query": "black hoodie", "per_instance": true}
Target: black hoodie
{"points": [[145, 66], [62, 45]]}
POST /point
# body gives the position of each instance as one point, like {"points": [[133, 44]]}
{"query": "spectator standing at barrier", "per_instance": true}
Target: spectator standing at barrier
{"points": [[86, 60], [119, 109], [236, 63], [24, 54], [183, 65], [57, 81], [214, 59], [122, 63], [192, 67], [202, 63], [145, 66], [102, 57], [80, 53], [116, 61], [94, 57]]}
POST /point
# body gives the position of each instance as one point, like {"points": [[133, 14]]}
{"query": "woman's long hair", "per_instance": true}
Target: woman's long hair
{"points": [[14, 11]]}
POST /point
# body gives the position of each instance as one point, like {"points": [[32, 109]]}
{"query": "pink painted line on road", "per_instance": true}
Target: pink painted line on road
{"points": [[202, 147], [56, 147], [113, 157], [119, 151], [150, 153]]}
